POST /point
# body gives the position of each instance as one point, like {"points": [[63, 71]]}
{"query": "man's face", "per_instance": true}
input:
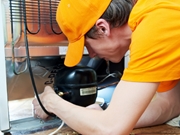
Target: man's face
{"points": [[111, 47]]}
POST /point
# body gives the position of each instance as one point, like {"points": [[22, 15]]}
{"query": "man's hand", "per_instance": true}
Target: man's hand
{"points": [[94, 106], [45, 97]]}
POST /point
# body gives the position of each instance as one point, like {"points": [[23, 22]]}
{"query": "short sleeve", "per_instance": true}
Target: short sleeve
{"points": [[155, 46]]}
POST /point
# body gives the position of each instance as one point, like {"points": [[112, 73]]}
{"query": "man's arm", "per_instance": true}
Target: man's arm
{"points": [[129, 101], [164, 106]]}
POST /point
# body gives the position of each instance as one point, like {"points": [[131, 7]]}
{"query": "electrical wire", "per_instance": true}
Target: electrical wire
{"points": [[54, 132]]}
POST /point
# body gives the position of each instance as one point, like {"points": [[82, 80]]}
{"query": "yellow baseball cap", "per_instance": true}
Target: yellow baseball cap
{"points": [[75, 18]]}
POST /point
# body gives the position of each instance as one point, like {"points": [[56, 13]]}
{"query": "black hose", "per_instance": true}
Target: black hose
{"points": [[29, 65]]}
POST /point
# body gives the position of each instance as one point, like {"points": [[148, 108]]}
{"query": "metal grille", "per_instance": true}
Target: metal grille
{"points": [[35, 13]]}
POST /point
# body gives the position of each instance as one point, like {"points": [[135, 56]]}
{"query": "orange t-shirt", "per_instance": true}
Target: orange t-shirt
{"points": [[155, 45]]}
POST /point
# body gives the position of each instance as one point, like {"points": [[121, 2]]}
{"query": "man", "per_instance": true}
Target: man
{"points": [[152, 36]]}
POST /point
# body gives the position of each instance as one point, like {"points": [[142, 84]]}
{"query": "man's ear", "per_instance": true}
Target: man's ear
{"points": [[103, 27]]}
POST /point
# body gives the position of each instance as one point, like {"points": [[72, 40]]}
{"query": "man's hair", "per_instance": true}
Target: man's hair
{"points": [[116, 15]]}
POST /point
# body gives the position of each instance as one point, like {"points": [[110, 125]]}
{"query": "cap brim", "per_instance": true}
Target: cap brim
{"points": [[74, 53]]}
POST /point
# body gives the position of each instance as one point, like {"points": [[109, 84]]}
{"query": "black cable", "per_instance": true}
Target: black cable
{"points": [[29, 66]]}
